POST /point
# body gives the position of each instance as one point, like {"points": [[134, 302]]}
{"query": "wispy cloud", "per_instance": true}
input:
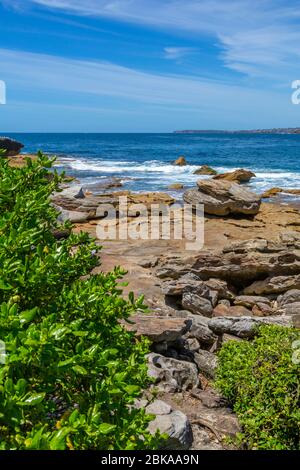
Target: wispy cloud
{"points": [[175, 53], [256, 37], [91, 92]]}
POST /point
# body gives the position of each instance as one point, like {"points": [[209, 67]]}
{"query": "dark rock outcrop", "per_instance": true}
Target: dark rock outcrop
{"points": [[10, 146]]}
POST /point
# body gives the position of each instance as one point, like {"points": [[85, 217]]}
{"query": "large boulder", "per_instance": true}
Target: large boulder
{"points": [[237, 176], [223, 198], [158, 329], [10, 146]]}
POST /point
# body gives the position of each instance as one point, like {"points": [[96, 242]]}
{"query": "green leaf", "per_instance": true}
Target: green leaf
{"points": [[106, 428], [80, 370], [33, 399]]}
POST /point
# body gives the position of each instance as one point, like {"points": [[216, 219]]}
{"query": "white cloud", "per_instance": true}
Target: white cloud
{"points": [[175, 53], [257, 37]]}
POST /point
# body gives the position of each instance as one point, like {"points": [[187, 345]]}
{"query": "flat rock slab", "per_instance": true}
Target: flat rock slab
{"points": [[158, 329], [245, 327], [223, 198]]}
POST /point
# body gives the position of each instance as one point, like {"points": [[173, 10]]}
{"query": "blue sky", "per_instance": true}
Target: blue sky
{"points": [[148, 65]]}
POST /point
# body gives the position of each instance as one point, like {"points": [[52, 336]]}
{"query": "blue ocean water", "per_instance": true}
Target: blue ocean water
{"points": [[144, 161]]}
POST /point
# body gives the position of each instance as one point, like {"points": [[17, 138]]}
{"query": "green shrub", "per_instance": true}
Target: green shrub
{"points": [[72, 372], [262, 382]]}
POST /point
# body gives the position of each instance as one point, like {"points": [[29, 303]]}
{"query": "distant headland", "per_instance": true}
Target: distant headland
{"points": [[279, 130]]}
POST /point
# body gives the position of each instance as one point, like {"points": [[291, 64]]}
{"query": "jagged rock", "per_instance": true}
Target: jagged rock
{"points": [[11, 146], [195, 303], [206, 362], [80, 194], [181, 161], [237, 176], [245, 327], [223, 198], [158, 329], [174, 424], [205, 170], [221, 287], [250, 300], [273, 285], [289, 297], [200, 330], [172, 375]]}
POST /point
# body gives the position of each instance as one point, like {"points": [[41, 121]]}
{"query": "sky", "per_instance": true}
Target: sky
{"points": [[148, 65]]}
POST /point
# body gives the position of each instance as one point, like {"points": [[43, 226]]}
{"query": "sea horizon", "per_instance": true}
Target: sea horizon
{"points": [[144, 161]]}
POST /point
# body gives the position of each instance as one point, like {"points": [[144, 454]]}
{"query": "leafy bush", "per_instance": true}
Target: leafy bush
{"points": [[262, 382], [72, 372]]}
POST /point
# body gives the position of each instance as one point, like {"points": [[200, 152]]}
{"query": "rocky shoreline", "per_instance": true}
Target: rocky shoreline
{"points": [[247, 274]]}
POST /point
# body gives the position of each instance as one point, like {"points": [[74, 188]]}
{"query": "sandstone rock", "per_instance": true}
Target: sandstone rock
{"points": [[11, 146], [172, 375], [175, 424], [245, 327], [271, 193], [273, 285], [223, 198], [245, 262], [275, 191], [158, 329], [181, 161], [205, 170], [262, 310], [232, 311], [250, 300], [237, 176], [206, 362], [176, 186]]}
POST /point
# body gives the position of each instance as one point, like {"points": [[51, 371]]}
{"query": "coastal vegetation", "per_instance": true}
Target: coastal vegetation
{"points": [[261, 381], [70, 373]]}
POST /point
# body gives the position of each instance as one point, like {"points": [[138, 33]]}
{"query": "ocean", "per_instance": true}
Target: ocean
{"points": [[144, 161]]}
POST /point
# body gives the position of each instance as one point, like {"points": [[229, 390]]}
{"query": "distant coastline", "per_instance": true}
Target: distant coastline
{"points": [[279, 130]]}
